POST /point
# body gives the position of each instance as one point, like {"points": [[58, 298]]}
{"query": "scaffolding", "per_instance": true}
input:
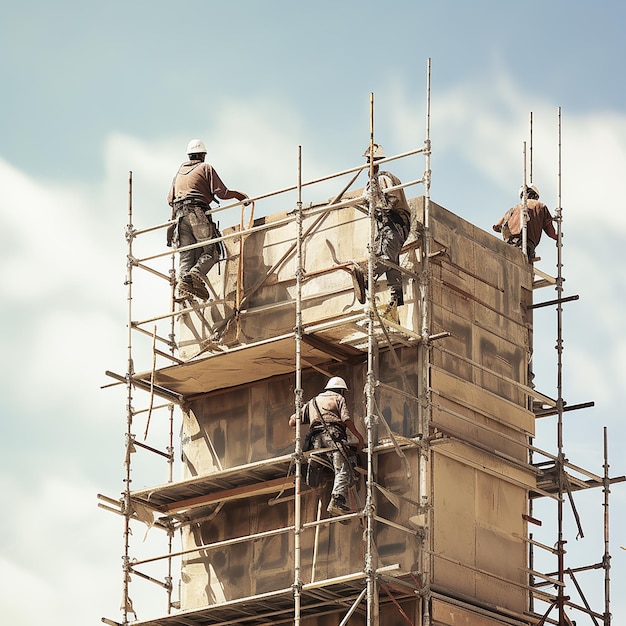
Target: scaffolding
{"points": [[361, 337], [559, 476]]}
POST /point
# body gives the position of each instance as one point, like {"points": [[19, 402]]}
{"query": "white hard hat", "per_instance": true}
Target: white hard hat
{"points": [[195, 146], [379, 153], [336, 382], [530, 189]]}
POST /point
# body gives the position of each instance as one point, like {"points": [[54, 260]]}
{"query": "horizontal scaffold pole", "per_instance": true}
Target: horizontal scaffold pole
{"points": [[146, 386]]}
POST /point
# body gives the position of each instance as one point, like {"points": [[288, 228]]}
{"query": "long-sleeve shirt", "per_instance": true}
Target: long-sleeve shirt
{"points": [[539, 220], [196, 179]]}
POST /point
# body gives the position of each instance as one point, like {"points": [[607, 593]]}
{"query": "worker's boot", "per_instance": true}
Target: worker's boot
{"points": [[199, 286], [184, 287], [192, 285], [338, 506], [390, 312]]}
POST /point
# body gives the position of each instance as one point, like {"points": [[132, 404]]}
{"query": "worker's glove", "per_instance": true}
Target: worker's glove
{"points": [[497, 228]]}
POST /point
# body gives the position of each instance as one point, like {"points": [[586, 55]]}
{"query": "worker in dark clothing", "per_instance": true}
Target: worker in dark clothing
{"points": [[329, 420], [539, 220], [194, 187], [393, 224]]}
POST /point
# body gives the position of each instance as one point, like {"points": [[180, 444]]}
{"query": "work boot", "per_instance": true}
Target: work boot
{"points": [[390, 312], [184, 287], [199, 285], [338, 506], [358, 282], [192, 285]]}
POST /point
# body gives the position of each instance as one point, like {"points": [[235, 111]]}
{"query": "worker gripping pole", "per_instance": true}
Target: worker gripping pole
{"points": [[297, 581], [370, 385]]}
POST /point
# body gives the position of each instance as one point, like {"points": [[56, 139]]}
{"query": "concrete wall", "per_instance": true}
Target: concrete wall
{"points": [[269, 310], [479, 286], [479, 413]]}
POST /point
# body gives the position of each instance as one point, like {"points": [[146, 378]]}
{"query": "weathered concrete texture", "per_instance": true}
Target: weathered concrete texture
{"points": [[477, 290], [249, 424], [480, 423], [448, 613], [269, 286]]}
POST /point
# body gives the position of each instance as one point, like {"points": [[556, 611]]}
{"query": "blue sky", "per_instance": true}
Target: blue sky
{"points": [[93, 90]]}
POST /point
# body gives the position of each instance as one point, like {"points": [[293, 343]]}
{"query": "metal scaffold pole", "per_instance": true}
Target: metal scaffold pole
{"points": [[126, 507], [530, 150], [559, 384], [370, 386], [606, 560], [297, 581], [524, 214], [425, 484], [170, 449], [531, 553]]}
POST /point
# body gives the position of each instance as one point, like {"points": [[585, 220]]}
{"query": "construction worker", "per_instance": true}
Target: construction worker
{"points": [[539, 220], [393, 224], [194, 187], [329, 420]]}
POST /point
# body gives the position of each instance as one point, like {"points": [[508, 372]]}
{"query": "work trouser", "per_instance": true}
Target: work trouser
{"points": [[193, 226], [390, 237], [200, 259], [334, 438]]}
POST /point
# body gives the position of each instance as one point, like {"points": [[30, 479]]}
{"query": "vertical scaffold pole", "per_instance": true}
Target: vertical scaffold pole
{"points": [[370, 386], [170, 450], [606, 561], [126, 508], [531, 553], [424, 394], [530, 160], [297, 581], [559, 386], [524, 216]]}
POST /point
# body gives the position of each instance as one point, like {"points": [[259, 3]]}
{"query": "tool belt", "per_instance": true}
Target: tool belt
{"points": [[201, 224], [336, 430], [188, 205]]}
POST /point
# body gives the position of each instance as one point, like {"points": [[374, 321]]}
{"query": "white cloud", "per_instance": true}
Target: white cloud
{"points": [[57, 564], [252, 145]]}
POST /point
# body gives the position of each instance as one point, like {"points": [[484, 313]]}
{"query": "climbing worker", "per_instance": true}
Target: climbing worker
{"points": [[329, 420], [539, 220], [393, 224], [195, 186]]}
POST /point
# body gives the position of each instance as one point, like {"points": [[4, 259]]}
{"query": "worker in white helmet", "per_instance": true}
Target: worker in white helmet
{"points": [[539, 221], [393, 224], [329, 420], [195, 186]]}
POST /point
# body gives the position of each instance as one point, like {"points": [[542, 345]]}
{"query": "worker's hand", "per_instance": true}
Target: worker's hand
{"points": [[497, 228], [361, 443], [247, 201], [292, 420]]}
